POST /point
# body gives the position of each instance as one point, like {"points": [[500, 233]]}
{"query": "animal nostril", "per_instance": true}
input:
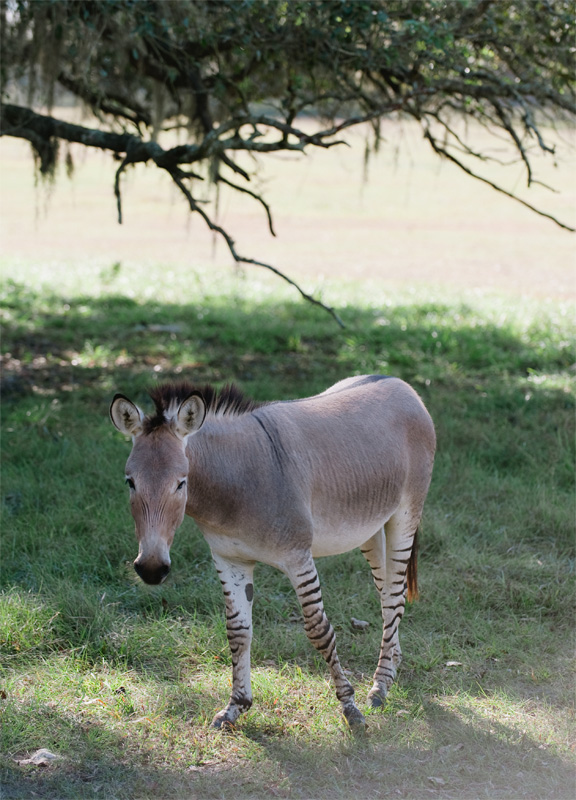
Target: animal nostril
{"points": [[152, 575]]}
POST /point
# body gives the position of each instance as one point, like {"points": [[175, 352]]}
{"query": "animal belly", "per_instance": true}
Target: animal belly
{"points": [[338, 538], [346, 518], [237, 548]]}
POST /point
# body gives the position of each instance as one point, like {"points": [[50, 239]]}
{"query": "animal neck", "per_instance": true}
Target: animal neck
{"points": [[215, 470]]}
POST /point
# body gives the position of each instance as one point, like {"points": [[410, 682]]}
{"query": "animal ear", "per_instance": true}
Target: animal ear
{"points": [[126, 416], [190, 416]]}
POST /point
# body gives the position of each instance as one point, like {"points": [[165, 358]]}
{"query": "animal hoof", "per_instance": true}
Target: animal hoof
{"points": [[355, 720], [358, 728], [221, 722], [376, 699]]}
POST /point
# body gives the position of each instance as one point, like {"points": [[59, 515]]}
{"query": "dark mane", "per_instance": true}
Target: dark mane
{"points": [[227, 400]]}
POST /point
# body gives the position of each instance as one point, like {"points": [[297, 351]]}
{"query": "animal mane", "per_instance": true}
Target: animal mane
{"points": [[167, 398]]}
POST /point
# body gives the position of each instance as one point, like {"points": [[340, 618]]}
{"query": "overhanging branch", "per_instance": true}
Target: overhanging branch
{"points": [[242, 259], [40, 129], [257, 197], [443, 152], [245, 133]]}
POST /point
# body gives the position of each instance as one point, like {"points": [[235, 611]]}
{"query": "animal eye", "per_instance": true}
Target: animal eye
{"points": [[130, 483], [180, 486]]}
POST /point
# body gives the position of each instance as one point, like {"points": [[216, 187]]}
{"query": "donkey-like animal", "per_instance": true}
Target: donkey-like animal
{"points": [[281, 483]]}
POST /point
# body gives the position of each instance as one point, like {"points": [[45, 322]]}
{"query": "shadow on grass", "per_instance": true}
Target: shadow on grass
{"points": [[92, 761], [58, 344], [462, 756], [454, 755]]}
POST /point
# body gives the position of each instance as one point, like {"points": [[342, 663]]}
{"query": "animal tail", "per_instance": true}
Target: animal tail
{"points": [[412, 572]]}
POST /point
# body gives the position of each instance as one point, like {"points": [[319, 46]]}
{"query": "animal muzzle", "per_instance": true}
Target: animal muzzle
{"points": [[151, 571]]}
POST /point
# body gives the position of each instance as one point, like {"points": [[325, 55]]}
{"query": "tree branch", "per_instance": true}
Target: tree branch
{"points": [[15, 120], [242, 259], [119, 171], [110, 103], [44, 131], [221, 179], [441, 151], [12, 124]]}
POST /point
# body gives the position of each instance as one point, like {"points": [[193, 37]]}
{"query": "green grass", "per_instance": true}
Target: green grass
{"points": [[121, 680]]}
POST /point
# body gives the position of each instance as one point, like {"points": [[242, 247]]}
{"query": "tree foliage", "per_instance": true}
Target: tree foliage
{"points": [[241, 75]]}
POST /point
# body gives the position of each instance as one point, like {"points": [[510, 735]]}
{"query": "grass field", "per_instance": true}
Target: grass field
{"points": [[120, 680]]}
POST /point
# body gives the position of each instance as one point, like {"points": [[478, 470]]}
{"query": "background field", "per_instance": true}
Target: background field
{"points": [[445, 284], [417, 220]]}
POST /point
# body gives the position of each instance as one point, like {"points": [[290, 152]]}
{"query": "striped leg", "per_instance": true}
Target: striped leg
{"points": [[388, 554], [236, 580], [320, 632]]}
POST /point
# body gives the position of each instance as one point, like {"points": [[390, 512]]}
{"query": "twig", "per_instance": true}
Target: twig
{"points": [[221, 179], [507, 125], [234, 166], [239, 259], [531, 127], [441, 151], [120, 169]]}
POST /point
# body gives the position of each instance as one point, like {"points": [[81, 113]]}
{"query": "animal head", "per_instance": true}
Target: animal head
{"points": [[157, 470]]}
